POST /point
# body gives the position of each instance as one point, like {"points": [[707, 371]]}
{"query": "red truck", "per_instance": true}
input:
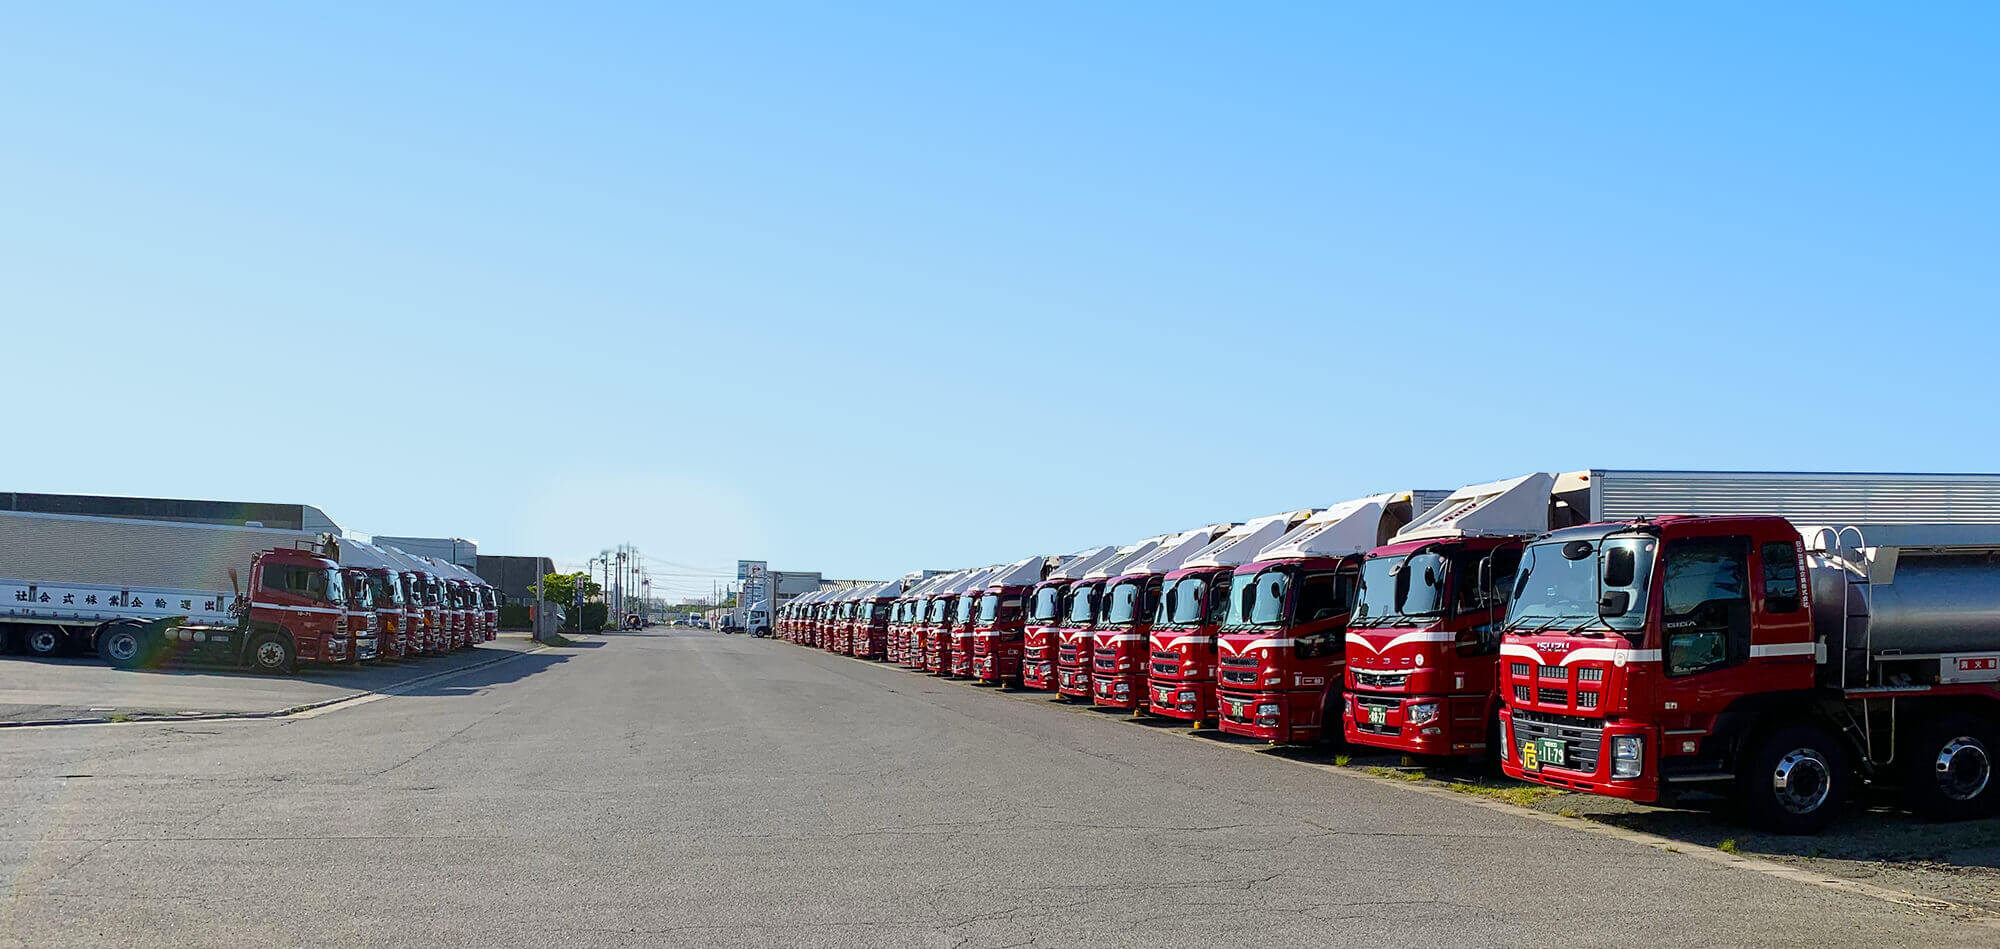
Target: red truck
{"points": [[1279, 652], [1001, 619], [933, 646], [363, 641], [1048, 604], [1074, 642], [1423, 640], [1181, 674], [957, 658], [1831, 631], [1121, 641], [870, 638]]}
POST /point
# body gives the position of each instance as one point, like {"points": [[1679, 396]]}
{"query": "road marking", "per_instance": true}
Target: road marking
{"points": [[1769, 868]]}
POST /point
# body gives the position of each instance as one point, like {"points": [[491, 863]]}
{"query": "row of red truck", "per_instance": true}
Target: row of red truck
{"points": [[136, 592], [1791, 639]]}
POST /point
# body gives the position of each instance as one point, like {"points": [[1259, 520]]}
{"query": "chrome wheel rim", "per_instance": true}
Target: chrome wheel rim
{"points": [[1963, 768], [1802, 781]]}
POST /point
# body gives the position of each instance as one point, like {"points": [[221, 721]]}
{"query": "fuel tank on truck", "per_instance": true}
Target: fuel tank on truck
{"points": [[1919, 601]]}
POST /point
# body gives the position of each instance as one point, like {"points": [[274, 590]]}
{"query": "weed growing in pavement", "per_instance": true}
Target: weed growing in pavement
{"points": [[1523, 795], [1729, 846], [1340, 761]]}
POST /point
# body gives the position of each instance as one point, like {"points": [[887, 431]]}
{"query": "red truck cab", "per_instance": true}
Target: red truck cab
{"points": [[294, 611], [363, 640], [1047, 606], [998, 629], [1076, 638], [1423, 642], [1194, 597], [1121, 642], [1280, 646]]}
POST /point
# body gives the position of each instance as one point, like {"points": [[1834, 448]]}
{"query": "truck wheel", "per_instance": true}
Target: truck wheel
{"points": [[43, 642], [272, 654], [1949, 774], [122, 645], [1794, 780]]}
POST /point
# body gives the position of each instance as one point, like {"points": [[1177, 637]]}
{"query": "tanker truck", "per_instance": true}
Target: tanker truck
{"points": [[1811, 636]]}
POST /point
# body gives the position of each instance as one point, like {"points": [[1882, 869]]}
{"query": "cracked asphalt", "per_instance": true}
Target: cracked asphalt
{"points": [[691, 789]]}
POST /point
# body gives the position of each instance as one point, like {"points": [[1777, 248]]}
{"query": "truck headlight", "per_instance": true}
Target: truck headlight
{"points": [[1628, 754], [1268, 708], [1506, 739], [1421, 713]]}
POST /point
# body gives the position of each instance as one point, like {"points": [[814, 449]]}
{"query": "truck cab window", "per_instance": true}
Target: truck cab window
{"points": [[1318, 600], [1781, 577], [1705, 604]]}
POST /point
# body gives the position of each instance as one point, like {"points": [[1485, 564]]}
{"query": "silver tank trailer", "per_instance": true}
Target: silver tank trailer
{"points": [[1939, 600]]}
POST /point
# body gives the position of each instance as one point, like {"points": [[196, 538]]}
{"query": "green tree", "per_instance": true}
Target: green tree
{"points": [[560, 588]]}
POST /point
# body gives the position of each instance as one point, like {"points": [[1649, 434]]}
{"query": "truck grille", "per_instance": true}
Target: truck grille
{"points": [[1380, 680], [1554, 672], [1068, 654], [1166, 655], [1582, 738], [1166, 668], [1522, 668], [1552, 696], [1240, 676], [1239, 662], [1104, 664]]}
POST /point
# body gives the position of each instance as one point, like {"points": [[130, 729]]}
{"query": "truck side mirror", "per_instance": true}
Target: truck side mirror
{"points": [[1485, 575], [1614, 603]]}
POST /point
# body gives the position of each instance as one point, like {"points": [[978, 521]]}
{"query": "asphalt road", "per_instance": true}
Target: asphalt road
{"points": [[84, 688], [691, 789]]}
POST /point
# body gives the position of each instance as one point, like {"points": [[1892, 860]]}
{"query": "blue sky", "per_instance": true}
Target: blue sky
{"points": [[1003, 280]]}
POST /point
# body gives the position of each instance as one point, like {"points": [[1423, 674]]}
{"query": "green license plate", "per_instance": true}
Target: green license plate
{"points": [[1542, 751], [1377, 715]]}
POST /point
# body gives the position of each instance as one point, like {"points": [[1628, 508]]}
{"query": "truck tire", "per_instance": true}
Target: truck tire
{"points": [[1949, 773], [44, 642], [272, 654], [124, 645], [1794, 780]]}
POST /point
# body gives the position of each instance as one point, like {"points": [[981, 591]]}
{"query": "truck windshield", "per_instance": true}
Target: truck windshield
{"points": [[1083, 604], [989, 608], [386, 592], [1559, 586], [335, 591], [934, 613], [1121, 605], [1395, 589], [1048, 602], [1181, 605], [1260, 601]]}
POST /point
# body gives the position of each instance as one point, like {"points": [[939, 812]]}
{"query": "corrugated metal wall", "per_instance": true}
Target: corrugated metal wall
{"points": [[1859, 499], [52, 548]]}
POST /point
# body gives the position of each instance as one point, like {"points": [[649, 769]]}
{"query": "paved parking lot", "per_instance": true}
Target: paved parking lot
{"points": [[691, 789], [82, 688]]}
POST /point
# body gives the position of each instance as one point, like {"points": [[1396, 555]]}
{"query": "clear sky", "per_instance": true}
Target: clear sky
{"points": [[998, 281]]}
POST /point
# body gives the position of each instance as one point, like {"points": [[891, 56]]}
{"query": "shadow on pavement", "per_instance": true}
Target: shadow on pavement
{"points": [[501, 673]]}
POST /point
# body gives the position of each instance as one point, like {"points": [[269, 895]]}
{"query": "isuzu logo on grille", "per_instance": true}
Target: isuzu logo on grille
{"points": [[1552, 646]]}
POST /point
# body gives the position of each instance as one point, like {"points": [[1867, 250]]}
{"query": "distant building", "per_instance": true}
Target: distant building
{"points": [[293, 517], [514, 577], [456, 550]]}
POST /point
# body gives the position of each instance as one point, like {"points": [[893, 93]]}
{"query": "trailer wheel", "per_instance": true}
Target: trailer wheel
{"points": [[1794, 780], [123, 645], [1949, 773], [272, 654], [43, 642]]}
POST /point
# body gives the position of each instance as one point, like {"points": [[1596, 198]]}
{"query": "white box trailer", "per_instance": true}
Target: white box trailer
{"points": [[63, 575]]}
